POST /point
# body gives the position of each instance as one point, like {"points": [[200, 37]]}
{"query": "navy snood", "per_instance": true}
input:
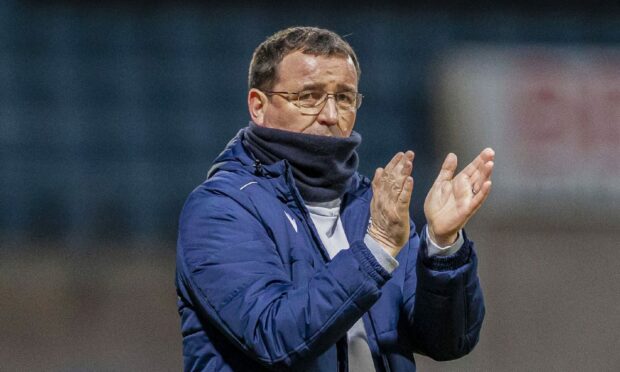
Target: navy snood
{"points": [[322, 166]]}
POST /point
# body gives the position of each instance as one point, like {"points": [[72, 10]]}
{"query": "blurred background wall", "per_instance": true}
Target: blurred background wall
{"points": [[110, 114]]}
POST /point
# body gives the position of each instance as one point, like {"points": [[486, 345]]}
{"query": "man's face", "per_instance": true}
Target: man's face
{"points": [[298, 72]]}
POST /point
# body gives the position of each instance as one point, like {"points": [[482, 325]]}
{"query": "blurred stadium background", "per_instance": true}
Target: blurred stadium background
{"points": [[110, 114]]}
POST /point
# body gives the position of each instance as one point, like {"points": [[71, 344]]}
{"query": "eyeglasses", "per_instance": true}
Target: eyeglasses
{"points": [[311, 101]]}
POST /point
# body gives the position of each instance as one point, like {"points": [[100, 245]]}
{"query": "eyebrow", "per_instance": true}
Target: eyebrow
{"points": [[340, 87]]}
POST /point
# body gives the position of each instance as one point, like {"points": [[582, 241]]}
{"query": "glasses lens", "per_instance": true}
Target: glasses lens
{"points": [[346, 100], [310, 98], [311, 101]]}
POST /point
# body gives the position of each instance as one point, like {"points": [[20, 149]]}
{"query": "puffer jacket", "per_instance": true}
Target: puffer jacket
{"points": [[257, 290]]}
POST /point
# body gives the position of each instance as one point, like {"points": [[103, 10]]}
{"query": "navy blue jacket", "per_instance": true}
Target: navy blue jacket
{"points": [[257, 290]]}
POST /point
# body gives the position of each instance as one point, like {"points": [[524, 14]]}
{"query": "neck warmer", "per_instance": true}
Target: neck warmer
{"points": [[322, 166]]}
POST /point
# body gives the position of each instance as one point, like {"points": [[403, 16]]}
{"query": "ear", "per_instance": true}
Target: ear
{"points": [[257, 103]]}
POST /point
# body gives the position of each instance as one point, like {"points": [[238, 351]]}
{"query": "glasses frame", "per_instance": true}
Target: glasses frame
{"points": [[319, 106]]}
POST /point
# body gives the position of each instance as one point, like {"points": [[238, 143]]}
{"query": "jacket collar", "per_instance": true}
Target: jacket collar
{"points": [[235, 156]]}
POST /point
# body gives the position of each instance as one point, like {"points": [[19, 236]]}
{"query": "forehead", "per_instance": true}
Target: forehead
{"points": [[299, 69]]}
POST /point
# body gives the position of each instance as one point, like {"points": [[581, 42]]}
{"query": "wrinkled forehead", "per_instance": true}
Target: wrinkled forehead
{"points": [[304, 68]]}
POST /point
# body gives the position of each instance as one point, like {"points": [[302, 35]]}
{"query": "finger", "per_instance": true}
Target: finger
{"points": [[404, 198], [485, 155], [395, 160], [487, 170], [405, 167], [407, 163], [397, 173], [398, 167], [401, 172], [447, 168], [409, 155], [481, 175], [481, 196], [377, 177]]}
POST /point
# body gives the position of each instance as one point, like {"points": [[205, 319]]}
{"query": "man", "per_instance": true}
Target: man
{"points": [[288, 259]]}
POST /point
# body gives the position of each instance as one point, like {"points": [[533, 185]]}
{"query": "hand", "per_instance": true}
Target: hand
{"points": [[389, 207], [452, 201]]}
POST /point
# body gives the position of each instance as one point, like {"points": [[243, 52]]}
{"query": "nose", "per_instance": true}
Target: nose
{"points": [[329, 114]]}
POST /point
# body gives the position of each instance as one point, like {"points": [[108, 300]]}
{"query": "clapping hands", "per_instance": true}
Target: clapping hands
{"points": [[450, 203], [452, 200]]}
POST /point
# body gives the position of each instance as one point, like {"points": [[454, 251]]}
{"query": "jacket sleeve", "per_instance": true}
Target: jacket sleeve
{"points": [[236, 280], [443, 301]]}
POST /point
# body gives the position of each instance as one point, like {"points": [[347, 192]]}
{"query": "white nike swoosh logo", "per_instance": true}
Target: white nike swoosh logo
{"points": [[291, 220]]}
